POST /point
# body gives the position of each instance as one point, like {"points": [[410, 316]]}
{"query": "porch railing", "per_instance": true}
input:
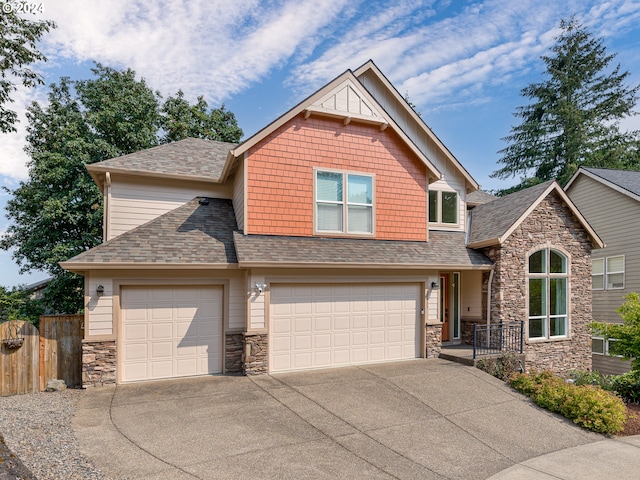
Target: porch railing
{"points": [[498, 338]]}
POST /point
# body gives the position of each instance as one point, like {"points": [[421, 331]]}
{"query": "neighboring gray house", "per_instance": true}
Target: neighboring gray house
{"points": [[610, 201]]}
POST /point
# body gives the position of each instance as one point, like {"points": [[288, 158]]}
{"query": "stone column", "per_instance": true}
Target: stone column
{"points": [[255, 354], [98, 363]]}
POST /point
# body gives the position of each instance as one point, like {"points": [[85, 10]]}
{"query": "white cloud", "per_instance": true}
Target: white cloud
{"points": [[216, 48]]}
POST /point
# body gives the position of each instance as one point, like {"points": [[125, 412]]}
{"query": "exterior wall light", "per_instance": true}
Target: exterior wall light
{"points": [[260, 287], [100, 290], [435, 286]]}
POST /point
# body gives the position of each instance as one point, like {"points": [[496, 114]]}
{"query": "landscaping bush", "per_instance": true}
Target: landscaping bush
{"points": [[501, 367], [584, 377], [627, 386], [588, 406]]}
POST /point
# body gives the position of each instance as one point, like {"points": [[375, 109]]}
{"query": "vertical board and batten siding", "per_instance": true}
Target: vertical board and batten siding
{"points": [[471, 294], [61, 349], [19, 367], [613, 216], [238, 195], [452, 179], [135, 202]]}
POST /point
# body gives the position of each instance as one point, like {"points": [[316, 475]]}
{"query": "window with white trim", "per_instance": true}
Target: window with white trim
{"points": [[607, 273], [548, 283], [602, 346], [344, 202], [443, 207]]}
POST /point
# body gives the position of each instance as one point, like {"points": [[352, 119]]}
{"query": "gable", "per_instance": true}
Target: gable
{"points": [[347, 101], [344, 98], [493, 222], [281, 174]]}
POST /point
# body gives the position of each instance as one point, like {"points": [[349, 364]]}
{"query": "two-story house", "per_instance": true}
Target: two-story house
{"points": [[342, 233], [610, 200]]}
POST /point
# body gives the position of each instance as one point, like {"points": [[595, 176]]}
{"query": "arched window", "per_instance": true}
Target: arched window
{"points": [[548, 294]]}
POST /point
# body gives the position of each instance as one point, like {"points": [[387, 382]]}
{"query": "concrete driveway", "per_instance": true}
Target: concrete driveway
{"points": [[418, 419]]}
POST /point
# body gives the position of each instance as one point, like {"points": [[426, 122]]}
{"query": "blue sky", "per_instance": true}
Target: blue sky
{"points": [[462, 62]]}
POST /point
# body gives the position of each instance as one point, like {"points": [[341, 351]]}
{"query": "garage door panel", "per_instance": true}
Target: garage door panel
{"points": [[357, 324], [176, 331]]}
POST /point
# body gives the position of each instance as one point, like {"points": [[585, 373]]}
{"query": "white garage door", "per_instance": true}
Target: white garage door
{"points": [[171, 332], [315, 326]]}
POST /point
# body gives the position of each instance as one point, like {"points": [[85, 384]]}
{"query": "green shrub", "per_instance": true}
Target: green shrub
{"points": [[584, 377], [627, 386], [501, 367], [589, 406]]}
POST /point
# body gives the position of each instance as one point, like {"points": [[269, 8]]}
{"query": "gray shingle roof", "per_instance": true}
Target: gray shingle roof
{"points": [[190, 234], [492, 220], [193, 157], [625, 179], [443, 249], [479, 197]]}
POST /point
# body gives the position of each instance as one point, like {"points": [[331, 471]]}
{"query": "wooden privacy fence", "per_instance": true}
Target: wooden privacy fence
{"points": [[28, 358]]}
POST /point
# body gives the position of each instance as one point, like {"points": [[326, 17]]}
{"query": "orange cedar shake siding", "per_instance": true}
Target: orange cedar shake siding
{"points": [[280, 177]]}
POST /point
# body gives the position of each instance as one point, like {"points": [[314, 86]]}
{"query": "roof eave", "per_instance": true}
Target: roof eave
{"points": [[351, 265], [78, 267], [95, 170], [603, 181]]}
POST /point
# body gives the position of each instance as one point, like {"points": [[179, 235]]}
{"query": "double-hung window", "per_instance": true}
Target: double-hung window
{"points": [[607, 273], [443, 207], [548, 294], [344, 202]]}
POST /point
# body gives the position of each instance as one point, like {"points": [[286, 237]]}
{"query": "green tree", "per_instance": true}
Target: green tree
{"points": [[574, 114], [18, 37], [57, 213], [626, 334], [181, 120], [16, 304]]}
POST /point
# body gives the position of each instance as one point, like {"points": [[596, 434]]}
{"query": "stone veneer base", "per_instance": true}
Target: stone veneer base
{"points": [[99, 361]]}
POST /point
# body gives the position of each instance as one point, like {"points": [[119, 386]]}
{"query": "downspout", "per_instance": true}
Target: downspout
{"points": [[106, 213]]}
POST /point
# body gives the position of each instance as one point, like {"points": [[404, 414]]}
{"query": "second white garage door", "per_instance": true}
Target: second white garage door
{"points": [[170, 332], [315, 326]]}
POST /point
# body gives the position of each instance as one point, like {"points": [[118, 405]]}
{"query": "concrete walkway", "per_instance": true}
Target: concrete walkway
{"points": [[419, 419]]}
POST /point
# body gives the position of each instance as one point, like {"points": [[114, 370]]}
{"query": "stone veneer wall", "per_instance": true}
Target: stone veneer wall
{"points": [[551, 224], [255, 354], [434, 341], [233, 349], [98, 363]]}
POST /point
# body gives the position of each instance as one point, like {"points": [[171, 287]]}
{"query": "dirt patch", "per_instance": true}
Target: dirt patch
{"points": [[632, 426]]}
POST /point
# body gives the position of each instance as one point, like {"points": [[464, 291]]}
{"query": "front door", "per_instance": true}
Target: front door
{"points": [[444, 306]]}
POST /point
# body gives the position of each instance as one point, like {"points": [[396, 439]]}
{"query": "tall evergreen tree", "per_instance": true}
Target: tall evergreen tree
{"points": [[57, 213], [574, 114]]}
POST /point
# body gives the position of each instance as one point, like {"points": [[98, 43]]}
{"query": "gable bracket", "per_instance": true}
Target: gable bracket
{"points": [[346, 117]]}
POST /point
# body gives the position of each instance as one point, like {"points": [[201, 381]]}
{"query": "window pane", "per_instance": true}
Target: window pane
{"points": [[597, 266], [537, 297], [558, 296], [329, 186], [449, 207], [615, 264], [558, 262], [359, 189], [615, 280], [537, 262], [597, 346], [597, 282], [558, 326], [329, 217], [536, 328], [359, 219], [433, 206]]}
